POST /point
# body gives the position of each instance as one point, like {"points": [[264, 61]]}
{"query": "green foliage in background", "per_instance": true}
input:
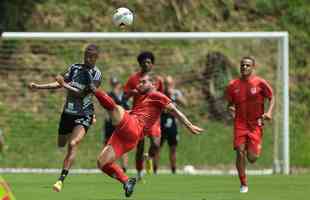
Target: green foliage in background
{"points": [[153, 15]]}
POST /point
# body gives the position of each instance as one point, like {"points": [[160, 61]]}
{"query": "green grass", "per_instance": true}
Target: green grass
{"points": [[161, 187]]}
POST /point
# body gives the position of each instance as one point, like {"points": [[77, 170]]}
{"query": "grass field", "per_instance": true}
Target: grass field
{"points": [[161, 187]]}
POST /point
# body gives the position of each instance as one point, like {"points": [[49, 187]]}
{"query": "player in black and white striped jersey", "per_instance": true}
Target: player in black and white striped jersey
{"points": [[78, 110]]}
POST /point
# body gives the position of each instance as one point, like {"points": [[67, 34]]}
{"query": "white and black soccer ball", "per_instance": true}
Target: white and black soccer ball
{"points": [[122, 17]]}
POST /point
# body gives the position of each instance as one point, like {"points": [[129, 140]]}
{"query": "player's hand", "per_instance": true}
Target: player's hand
{"points": [[33, 86], [232, 111], [267, 116], [94, 119], [195, 129], [60, 80]]}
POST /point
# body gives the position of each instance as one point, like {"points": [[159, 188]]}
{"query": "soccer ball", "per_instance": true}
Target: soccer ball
{"points": [[189, 169], [122, 17]]}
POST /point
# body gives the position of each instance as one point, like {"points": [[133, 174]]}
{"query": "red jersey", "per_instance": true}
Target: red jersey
{"points": [[248, 97], [133, 82], [149, 108]]}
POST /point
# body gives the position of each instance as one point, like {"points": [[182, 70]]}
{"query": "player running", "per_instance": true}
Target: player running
{"points": [[146, 62], [130, 126], [168, 124], [246, 96], [78, 110]]}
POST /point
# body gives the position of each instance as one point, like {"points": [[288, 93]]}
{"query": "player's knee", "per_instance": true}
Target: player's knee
{"points": [[154, 148], [241, 153], [157, 145], [74, 143], [252, 158]]}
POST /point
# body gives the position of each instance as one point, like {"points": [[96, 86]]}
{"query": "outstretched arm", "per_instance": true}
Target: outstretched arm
{"points": [[49, 86], [60, 80], [182, 118]]}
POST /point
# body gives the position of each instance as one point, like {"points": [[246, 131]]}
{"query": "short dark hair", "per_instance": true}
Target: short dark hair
{"points": [[249, 58], [144, 55], [92, 47]]}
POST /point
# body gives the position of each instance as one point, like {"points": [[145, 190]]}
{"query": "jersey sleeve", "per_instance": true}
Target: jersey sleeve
{"points": [[161, 100], [68, 74], [266, 89], [97, 78]]}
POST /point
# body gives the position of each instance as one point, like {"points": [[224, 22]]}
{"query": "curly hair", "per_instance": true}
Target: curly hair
{"points": [[144, 55]]}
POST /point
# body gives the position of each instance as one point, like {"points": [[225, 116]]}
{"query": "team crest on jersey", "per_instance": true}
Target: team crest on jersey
{"points": [[253, 90]]}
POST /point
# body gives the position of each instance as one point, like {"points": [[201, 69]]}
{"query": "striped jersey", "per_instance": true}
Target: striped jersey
{"points": [[80, 77]]}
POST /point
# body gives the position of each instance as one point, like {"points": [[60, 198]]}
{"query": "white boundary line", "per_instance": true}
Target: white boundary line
{"points": [[162, 171]]}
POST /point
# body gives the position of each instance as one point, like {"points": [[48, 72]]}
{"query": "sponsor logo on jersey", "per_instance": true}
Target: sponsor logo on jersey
{"points": [[253, 90]]}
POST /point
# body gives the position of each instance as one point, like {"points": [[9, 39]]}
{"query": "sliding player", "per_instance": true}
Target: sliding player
{"points": [[130, 126], [116, 93], [146, 62]]}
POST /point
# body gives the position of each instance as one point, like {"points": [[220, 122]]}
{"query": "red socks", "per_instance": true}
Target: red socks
{"points": [[105, 100], [243, 179], [114, 171], [139, 165]]}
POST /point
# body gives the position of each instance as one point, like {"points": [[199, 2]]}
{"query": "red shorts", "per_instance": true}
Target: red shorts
{"points": [[126, 135], [154, 131], [251, 138]]}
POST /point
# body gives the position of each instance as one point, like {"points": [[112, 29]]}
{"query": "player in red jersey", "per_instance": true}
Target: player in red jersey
{"points": [[146, 62], [130, 126], [246, 96]]}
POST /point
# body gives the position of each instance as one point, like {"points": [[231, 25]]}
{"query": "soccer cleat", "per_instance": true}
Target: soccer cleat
{"points": [[244, 189], [57, 186], [149, 166], [129, 186]]}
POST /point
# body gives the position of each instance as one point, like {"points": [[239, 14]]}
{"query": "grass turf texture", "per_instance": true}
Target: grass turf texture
{"points": [[161, 187]]}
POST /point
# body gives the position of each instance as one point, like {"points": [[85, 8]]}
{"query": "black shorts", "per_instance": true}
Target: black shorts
{"points": [[169, 129], [171, 135], [68, 122], [108, 130]]}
